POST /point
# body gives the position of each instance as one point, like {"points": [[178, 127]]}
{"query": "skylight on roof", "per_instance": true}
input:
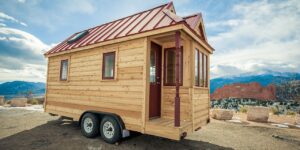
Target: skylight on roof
{"points": [[78, 36]]}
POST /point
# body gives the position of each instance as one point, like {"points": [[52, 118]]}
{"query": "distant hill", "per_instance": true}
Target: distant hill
{"points": [[19, 88], [251, 90], [264, 79]]}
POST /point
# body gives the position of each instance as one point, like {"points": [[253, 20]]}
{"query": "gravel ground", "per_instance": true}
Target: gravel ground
{"points": [[31, 129]]}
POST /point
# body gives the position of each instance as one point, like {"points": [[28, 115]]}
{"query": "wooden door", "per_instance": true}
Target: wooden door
{"points": [[155, 81]]}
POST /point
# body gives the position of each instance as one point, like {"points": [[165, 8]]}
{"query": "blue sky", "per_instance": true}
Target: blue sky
{"points": [[249, 36]]}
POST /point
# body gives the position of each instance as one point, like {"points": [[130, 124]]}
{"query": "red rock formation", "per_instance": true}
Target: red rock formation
{"points": [[250, 90]]}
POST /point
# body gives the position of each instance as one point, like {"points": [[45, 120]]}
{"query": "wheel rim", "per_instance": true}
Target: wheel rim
{"points": [[88, 125], [108, 129]]}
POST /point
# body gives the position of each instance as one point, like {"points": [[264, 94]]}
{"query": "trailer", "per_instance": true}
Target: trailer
{"points": [[148, 72]]}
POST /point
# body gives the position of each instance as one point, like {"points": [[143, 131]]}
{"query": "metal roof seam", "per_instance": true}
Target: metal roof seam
{"points": [[115, 25], [138, 22], [89, 38], [117, 29], [77, 42], [91, 33], [128, 25], [159, 21], [57, 47], [151, 19], [103, 32]]}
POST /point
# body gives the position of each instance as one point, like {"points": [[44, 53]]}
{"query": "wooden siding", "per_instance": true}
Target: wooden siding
{"points": [[85, 89], [168, 103], [200, 110]]}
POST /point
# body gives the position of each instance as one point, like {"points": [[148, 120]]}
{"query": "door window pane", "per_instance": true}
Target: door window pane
{"points": [[152, 67], [108, 65]]}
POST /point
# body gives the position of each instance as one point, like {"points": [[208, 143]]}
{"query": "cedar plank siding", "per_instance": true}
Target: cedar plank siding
{"points": [[85, 89]]}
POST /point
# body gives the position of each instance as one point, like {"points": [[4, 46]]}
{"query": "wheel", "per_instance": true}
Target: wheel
{"points": [[110, 130], [90, 125]]}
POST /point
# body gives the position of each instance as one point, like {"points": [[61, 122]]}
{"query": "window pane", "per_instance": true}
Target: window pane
{"points": [[170, 66], [64, 70], [196, 67], [205, 70], [109, 62], [201, 68], [152, 67]]}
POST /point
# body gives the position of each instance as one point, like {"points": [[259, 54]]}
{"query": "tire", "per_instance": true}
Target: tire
{"points": [[110, 130], [90, 125]]}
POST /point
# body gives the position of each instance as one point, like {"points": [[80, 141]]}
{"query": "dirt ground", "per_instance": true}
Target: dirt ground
{"points": [[28, 129]]}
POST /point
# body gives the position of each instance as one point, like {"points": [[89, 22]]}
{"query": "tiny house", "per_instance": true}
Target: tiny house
{"points": [[148, 72]]}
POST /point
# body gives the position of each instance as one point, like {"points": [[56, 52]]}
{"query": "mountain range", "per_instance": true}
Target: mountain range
{"points": [[264, 79], [21, 88]]}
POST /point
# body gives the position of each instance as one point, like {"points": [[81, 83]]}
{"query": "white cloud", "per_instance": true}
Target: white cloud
{"points": [[24, 39], [21, 56], [4, 16], [264, 37]]}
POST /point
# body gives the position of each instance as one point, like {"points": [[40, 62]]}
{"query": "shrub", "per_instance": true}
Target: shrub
{"points": [[33, 102], [275, 110], [243, 109], [289, 112]]}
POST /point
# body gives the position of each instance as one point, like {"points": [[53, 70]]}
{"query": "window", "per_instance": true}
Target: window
{"points": [[170, 65], [108, 65], [200, 69], [196, 68], [64, 70], [78, 36], [204, 70]]}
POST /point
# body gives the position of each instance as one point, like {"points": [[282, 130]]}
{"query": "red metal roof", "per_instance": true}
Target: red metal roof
{"points": [[192, 20], [151, 19]]}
